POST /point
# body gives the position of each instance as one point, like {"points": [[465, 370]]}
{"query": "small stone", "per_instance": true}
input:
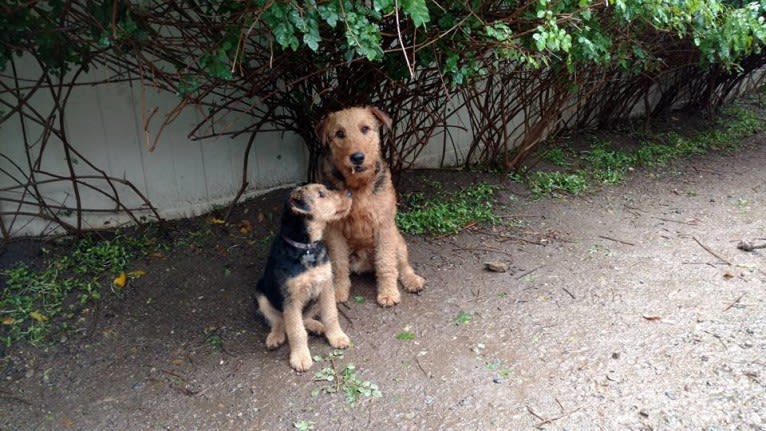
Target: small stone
{"points": [[616, 355], [497, 380], [496, 266], [643, 413]]}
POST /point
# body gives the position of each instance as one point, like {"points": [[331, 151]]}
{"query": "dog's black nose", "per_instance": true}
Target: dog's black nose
{"points": [[357, 158]]}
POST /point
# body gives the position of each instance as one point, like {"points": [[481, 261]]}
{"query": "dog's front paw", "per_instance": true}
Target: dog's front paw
{"points": [[274, 340], [414, 283], [341, 294], [301, 360], [389, 299], [339, 340]]}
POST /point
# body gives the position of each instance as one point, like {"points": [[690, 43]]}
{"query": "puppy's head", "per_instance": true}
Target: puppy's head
{"points": [[351, 138], [318, 203]]}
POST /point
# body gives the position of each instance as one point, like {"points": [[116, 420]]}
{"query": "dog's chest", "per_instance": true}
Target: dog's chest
{"points": [[359, 225], [308, 285]]}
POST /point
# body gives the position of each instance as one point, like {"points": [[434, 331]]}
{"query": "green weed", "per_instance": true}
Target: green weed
{"points": [[449, 214], [547, 183], [603, 164], [37, 301], [344, 380]]}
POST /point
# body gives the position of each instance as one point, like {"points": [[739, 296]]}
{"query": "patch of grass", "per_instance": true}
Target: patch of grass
{"points": [[450, 213], [603, 164], [405, 336], [39, 301], [345, 381], [547, 183]]}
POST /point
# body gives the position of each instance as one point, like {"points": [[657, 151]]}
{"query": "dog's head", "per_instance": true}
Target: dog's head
{"points": [[318, 203], [351, 139]]}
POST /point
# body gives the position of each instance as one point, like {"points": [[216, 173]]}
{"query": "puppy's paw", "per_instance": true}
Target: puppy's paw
{"points": [[301, 360], [274, 340], [389, 299], [339, 340], [314, 326], [413, 283]]}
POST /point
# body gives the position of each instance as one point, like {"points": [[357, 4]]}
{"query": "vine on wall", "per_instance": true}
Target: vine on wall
{"points": [[514, 67]]}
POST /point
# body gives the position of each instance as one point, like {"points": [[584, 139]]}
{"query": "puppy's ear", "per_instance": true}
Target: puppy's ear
{"points": [[381, 116], [319, 129]]}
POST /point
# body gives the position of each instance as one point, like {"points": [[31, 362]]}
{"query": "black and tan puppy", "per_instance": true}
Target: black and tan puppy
{"points": [[298, 273]]}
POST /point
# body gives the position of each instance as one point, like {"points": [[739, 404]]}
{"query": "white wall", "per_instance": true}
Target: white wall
{"points": [[180, 177]]}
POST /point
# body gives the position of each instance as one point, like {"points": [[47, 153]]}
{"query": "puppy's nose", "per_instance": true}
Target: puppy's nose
{"points": [[357, 158]]}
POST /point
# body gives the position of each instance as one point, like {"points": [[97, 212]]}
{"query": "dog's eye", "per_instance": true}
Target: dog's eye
{"points": [[365, 129], [340, 134], [321, 194]]}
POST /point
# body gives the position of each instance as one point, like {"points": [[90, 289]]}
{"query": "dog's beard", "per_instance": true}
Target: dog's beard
{"points": [[358, 169]]}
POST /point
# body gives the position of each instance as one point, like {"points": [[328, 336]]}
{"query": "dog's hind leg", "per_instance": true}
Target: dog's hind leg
{"points": [[277, 334], [312, 325], [411, 281], [329, 315]]}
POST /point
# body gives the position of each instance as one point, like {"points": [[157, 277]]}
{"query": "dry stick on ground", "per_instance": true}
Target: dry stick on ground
{"points": [[528, 272], [736, 301], [711, 251], [616, 240]]}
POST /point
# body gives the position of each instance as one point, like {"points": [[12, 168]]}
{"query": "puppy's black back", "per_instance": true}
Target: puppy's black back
{"points": [[287, 261]]}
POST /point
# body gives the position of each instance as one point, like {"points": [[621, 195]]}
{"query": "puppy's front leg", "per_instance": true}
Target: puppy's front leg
{"points": [[337, 247], [329, 312], [297, 337]]}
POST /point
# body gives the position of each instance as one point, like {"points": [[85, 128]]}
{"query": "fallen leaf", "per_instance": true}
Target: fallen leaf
{"points": [[652, 318], [40, 317], [137, 273], [215, 220], [67, 423], [245, 227], [728, 275], [157, 255], [8, 320], [120, 280]]}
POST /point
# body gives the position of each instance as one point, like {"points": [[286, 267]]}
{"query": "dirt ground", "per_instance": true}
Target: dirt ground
{"points": [[629, 308]]}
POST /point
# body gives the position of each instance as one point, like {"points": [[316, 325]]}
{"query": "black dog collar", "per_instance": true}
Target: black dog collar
{"points": [[309, 247]]}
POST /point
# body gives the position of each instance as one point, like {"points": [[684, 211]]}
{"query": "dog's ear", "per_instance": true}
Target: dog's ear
{"points": [[320, 132], [381, 116]]}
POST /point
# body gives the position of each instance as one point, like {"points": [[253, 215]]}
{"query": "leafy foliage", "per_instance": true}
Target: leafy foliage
{"points": [[449, 214]]}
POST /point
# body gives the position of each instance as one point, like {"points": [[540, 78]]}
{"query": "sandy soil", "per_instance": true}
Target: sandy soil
{"points": [[629, 308]]}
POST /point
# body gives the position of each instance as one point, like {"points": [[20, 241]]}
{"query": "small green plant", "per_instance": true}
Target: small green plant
{"points": [[405, 336], [345, 381], [559, 157], [546, 183], [303, 425], [450, 214], [463, 318], [37, 301], [602, 164]]}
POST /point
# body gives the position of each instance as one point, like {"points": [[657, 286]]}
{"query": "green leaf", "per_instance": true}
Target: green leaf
{"points": [[405, 336], [417, 10]]}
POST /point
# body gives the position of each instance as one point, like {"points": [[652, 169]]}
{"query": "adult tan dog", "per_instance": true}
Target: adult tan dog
{"points": [[367, 239]]}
